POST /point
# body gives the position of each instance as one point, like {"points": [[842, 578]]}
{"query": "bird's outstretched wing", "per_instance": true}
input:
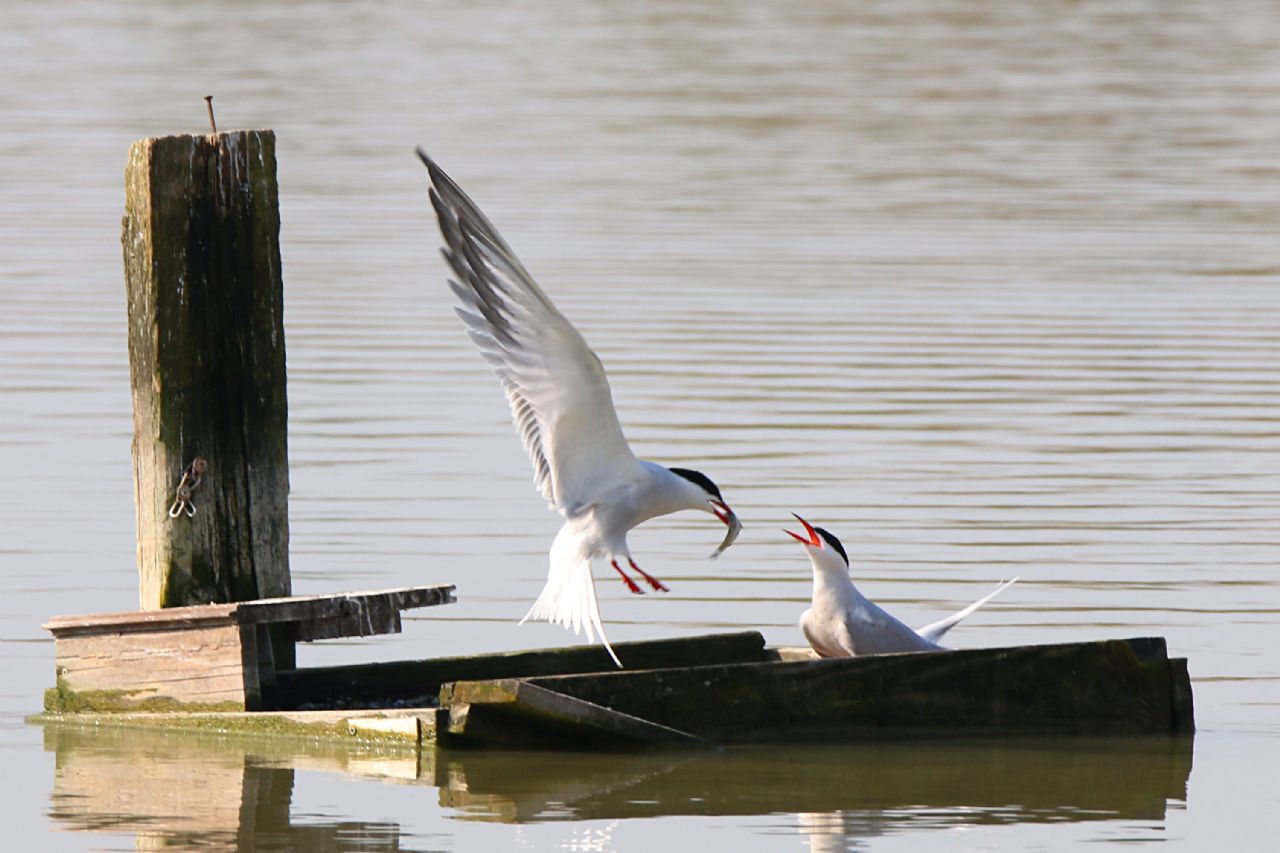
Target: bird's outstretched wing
{"points": [[559, 395], [934, 630]]}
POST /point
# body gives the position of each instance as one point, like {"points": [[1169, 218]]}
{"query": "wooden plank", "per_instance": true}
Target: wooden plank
{"points": [[350, 605], [207, 365], [202, 666], [402, 681], [174, 618], [1110, 687], [299, 609], [374, 620], [513, 702]]}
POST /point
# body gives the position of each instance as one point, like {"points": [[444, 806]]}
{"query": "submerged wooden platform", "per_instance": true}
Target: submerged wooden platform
{"points": [[1108, 687], [717, 690]]}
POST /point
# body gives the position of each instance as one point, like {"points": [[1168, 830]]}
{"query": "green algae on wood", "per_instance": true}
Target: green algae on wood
{"points": [[331, 726], [207, 364], [61, 699]]}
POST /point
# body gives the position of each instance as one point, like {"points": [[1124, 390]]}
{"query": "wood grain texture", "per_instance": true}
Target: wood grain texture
{"points": [[207, 364], [202, 666], [266, 611]]}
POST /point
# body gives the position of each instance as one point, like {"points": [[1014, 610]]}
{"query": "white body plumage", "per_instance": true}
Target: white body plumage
{"points": [[842, 622]]}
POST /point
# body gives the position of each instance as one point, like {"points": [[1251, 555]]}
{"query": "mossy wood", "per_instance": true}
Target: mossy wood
{"points": [[207, 364], [1108, 687], [421, 680]]}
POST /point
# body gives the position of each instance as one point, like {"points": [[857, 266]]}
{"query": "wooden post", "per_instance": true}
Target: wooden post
{"points": [[207, 362]]}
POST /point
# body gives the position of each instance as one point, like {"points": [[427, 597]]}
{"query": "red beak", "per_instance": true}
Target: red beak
{"points": [[812, 539], [722, 511]]}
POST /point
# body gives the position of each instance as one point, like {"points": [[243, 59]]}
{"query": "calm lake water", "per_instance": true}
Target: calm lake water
{"points": [[986, 289]]}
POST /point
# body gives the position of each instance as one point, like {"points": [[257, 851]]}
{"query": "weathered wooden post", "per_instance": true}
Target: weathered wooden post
{"points": [[207, 364], [211, 472]]}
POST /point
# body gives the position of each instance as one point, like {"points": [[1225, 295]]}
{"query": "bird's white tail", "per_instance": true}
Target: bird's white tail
{"points": [[569, 597], [934, 631]]}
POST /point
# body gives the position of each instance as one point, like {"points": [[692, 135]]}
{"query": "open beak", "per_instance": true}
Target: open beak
{"points": [[726, 515], [811, 539]]}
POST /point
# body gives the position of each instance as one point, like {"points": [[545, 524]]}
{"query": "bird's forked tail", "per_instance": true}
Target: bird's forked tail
{"points": [[934, 631], [569, 598]]}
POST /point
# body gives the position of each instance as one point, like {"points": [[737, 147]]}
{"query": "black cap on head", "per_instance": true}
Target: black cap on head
{"points": [[700, 479], [833, 542]]}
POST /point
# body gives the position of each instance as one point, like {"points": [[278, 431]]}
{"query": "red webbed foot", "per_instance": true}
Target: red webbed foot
{"points": [[653, 582], [631, 585]]}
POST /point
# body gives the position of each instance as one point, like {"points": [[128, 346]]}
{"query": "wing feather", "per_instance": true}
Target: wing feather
{"points": [[557, 389]]}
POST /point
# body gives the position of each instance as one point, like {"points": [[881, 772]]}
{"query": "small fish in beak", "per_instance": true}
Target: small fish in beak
{"points": [[731, 521]]}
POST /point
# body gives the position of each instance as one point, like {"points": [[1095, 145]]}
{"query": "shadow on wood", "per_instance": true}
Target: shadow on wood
{"points": [[421, 680]]}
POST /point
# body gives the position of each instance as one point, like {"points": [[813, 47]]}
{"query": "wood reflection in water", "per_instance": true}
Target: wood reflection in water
{"points": [[1014, 781], [175, 791], [232, 793]]}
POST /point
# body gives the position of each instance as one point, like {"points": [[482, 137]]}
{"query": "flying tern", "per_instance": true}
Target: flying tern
{"points": [[563, 409], [842, 622]]}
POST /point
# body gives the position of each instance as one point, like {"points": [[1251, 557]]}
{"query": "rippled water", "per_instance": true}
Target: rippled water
{"points": [[987, 290]]}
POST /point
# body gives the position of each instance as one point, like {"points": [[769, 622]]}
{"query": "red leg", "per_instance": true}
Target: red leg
{"points": [[631, 585], [653, 582]]}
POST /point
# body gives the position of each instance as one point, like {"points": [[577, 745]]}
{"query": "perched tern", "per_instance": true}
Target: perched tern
{"points": [[843, 622], [563, 409]]}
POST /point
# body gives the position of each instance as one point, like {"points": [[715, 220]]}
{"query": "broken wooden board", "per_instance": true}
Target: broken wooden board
{"points": [[514, 710], [1107, 687], [406, 681], [212, 657]]}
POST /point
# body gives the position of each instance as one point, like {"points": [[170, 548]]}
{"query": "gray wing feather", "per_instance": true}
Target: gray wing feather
{"points": [[559, 396]]}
